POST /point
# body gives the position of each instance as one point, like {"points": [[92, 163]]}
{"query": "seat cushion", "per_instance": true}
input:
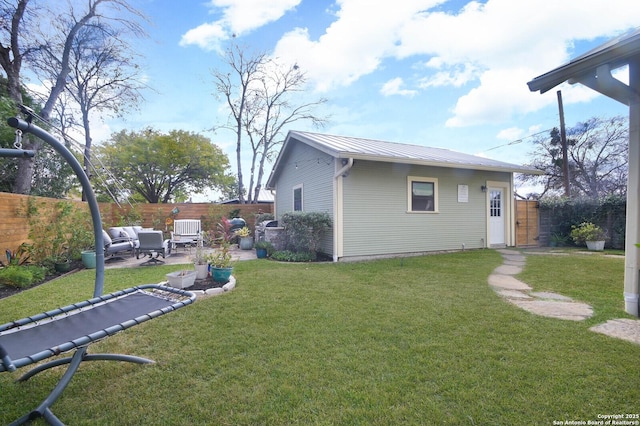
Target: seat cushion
{"points": [[106, 238]]}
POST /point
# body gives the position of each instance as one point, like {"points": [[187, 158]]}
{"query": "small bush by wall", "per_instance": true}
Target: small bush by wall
{"points": [[304, 229]]}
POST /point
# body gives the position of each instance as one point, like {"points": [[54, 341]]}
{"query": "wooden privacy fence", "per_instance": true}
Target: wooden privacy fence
{"points": [[14, 220], [527, 223]]}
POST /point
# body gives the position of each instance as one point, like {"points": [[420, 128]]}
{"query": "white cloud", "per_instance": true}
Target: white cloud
{"points": [[205, 36], [238, 17], [510, 134], [484, 52], [489, 49], [393, 87]]}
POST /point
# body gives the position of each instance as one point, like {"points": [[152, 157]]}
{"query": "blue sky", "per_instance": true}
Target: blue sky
{"points": [[448, 74]]}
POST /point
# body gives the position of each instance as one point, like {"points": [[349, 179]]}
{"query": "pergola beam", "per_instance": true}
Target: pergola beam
{"points": [[593, 69]]}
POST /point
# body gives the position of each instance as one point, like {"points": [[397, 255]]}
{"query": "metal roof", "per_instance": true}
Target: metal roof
{"points": [[392, 152]]}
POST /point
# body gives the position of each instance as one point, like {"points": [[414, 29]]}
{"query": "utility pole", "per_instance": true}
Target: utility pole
{"points": [[563, 140]]}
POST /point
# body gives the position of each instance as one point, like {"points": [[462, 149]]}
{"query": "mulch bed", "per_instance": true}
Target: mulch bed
{"points": [[6, 291], [205, 284]]}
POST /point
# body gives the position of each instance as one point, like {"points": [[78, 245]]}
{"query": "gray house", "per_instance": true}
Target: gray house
{"points": [[389, 199]]}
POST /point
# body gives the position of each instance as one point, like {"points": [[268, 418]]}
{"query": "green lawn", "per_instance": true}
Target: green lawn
{"points": [[416, 341]]}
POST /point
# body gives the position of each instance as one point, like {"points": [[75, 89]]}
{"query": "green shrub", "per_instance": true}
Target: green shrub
{"points": [[304, 229], [21, 276], [261, 217], [608, 213], [290, 256], [587, 231]]}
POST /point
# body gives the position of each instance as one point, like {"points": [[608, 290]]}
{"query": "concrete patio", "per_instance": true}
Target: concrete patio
{"points": [[179, 256]]}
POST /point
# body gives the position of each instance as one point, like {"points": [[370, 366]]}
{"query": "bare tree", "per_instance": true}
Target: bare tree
{"points": [[235, 88], [598, 158], [277, 110], [260, 93], [104, 77], [57, 32]]}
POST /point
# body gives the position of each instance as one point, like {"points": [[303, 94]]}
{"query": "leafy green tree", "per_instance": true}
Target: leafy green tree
{"points": [[162, 168]]}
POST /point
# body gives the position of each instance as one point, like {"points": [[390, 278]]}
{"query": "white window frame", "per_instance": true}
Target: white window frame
{"points": [[293, 199], [434, 181]]}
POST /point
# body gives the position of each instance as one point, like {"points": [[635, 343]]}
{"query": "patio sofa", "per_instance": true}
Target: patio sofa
{"points": [[117, 248], [120, 234]]}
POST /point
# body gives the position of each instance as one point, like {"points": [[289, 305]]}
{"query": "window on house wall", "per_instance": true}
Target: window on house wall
{"points": [[423, 194], [297, 198]]}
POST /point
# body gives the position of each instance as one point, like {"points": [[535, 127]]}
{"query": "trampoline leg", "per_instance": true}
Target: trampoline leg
{"points": [[118, 357], [79, 356], [55, 363], [43, 409], [87, 357]]}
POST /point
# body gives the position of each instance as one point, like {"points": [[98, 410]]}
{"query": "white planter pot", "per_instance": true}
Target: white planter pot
{"points": [[181, 279], [202, 271], [595, 245], [246, 243]]}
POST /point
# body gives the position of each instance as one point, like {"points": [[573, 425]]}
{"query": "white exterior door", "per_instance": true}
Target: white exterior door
{"points": [[496, 217]]}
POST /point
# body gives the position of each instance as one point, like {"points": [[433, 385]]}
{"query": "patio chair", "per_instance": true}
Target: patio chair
{"points": [[74, 327], [186, 232], [152, 243]]}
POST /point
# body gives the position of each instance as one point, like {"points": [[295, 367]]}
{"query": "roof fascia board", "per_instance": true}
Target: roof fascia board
{"points": [[418, 162], [319, 146]]}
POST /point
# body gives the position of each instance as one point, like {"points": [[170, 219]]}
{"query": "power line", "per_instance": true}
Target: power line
{"points": [[521, 140]]}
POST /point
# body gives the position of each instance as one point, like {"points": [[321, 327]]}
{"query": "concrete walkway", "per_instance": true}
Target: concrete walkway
{"points": [[552, 305]]}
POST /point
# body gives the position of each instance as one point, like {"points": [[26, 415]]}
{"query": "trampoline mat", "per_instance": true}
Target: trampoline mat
{"points": [[67, 328]]}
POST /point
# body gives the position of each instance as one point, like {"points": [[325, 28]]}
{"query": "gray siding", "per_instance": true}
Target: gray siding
{"points": [[314, 170], [376, 221]]}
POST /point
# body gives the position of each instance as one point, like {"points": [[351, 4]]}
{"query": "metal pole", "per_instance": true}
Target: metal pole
{"points": [[632, 237], [86, 186], [563, 139]]}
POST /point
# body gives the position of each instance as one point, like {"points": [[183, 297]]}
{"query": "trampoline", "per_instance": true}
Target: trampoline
{"points": [[74, 327]]}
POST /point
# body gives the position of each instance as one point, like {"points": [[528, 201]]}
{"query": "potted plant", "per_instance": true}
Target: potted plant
{"points": [[246, 240], [588, 233], [220, 263], [200, 263], [181, 279], [558, 240], [263, 249], [89, 258]]}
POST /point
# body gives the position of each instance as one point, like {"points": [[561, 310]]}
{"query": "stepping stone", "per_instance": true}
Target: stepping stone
{"points": [[514, 258], [513, 294], [572, 311], [626, 329], [507, 252], [553, 296], [507, 282], [508, 270]]}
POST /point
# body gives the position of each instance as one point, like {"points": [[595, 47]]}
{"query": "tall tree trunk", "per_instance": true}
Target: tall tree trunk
{"points": [[26, 166]]}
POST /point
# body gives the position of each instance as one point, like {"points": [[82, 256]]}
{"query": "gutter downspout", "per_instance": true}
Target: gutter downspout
{"points": [[344, 171], [338, 207]]}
